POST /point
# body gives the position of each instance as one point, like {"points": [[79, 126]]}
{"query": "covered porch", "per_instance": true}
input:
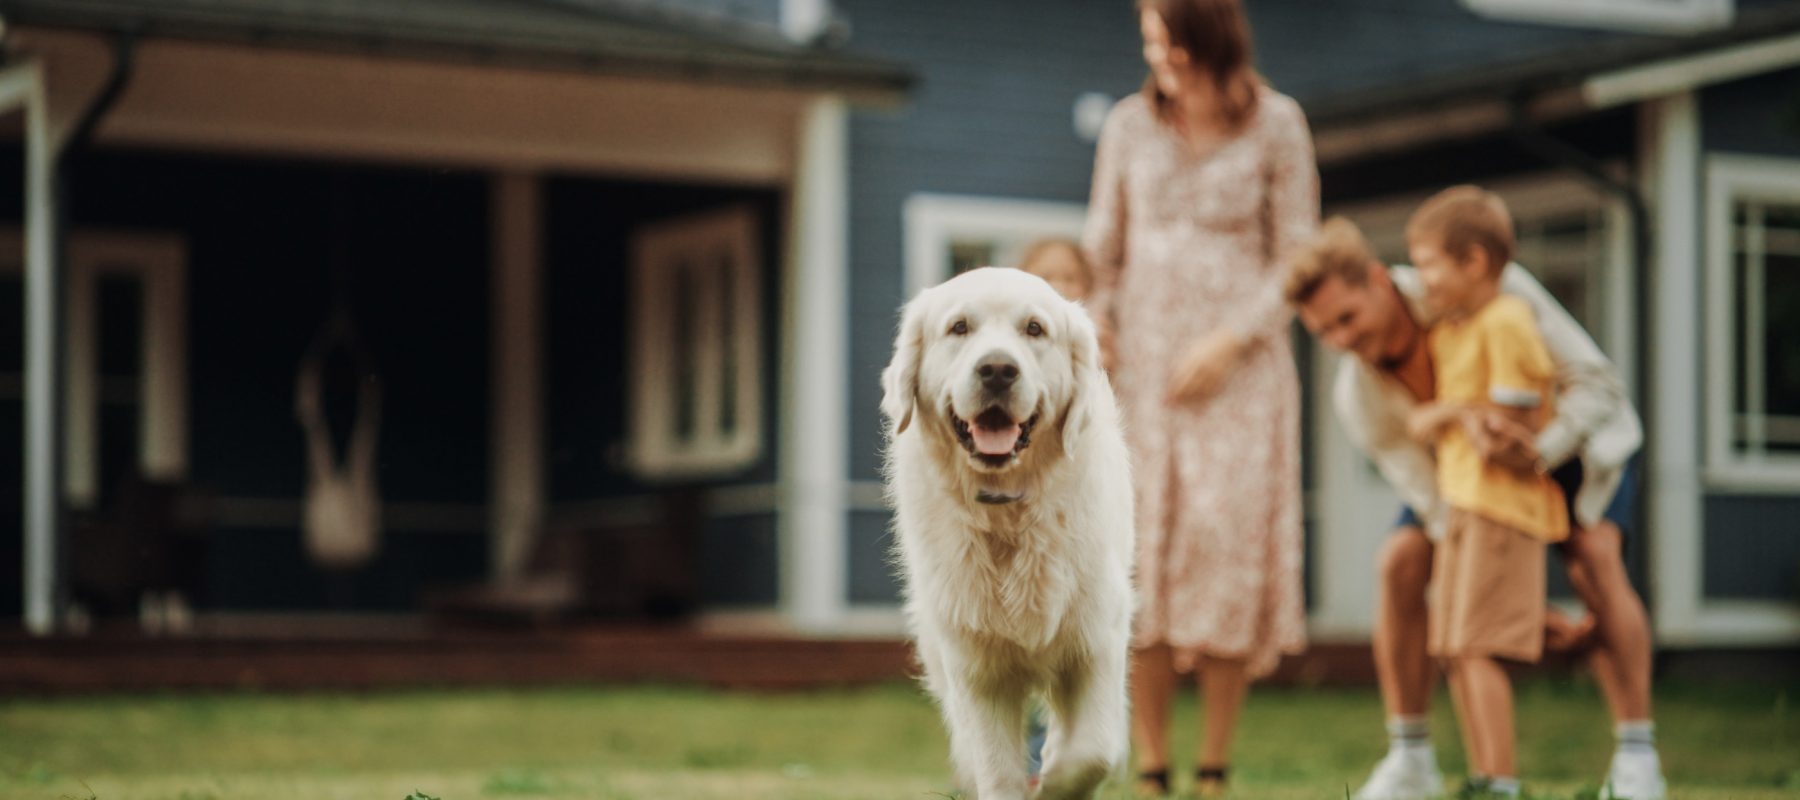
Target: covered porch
{"points": [[596, 260]]}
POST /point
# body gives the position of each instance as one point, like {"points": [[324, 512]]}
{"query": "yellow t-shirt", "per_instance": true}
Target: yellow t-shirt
{"points": [[1496, 357]]}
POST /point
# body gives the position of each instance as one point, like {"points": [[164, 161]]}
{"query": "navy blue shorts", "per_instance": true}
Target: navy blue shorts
{"points": [[1622, 511]]}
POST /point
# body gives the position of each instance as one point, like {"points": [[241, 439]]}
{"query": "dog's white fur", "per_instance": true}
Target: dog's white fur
{"points": [[1025, 598]]}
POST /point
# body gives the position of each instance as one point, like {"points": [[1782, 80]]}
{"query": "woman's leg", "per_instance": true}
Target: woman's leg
{"points": [[1152, 690], [1223, 682]]}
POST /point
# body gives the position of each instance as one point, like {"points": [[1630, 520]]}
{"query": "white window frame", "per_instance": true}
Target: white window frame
{"points": [[1729, 179], [159, 262], [657, 450], [934, 221], [1651, 16]]}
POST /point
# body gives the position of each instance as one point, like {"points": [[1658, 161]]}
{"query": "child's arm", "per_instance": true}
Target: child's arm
{"points": [[1427, 422]]}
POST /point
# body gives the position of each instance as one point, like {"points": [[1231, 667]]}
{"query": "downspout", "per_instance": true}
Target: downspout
{"points": [[79, 140], [1560, 153]]}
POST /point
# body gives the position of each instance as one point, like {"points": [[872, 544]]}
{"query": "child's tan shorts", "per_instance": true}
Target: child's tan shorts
{"points": [[1487, 591]]}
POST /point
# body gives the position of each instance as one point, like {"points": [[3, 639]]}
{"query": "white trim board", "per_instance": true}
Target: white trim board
{"points": [[1670, 154], [1646, 16], [813, 526], [1663, 78]]}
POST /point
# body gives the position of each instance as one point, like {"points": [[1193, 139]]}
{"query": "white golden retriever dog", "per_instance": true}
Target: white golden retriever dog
{"points": [[1013, 502]]}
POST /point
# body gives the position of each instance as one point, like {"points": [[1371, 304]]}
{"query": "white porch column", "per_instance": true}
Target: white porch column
{"points": [[1671, 152], [814, 388], [23, 85], [516, 490]]}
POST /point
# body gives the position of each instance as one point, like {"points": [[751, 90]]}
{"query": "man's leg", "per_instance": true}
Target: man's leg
{"points": [[1621, 659], [1404, 668], [1597, 571], [1401, 663]]}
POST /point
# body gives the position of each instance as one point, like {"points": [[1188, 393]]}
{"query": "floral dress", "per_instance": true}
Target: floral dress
{"points": [[1185, 243]]}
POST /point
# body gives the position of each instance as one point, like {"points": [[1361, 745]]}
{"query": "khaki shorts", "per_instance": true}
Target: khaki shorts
{"points": [[1487, 591]]}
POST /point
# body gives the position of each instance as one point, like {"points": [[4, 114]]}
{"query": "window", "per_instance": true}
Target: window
{"points": [[1663, 16], [125, 377], [1753, 321], [949, 234], [696, 403]]}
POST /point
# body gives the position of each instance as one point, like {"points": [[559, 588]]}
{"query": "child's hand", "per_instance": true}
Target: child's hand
{"points": [[1427, 422], [1506, 442]]}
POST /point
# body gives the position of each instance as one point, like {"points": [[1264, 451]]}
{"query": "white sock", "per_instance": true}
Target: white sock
{"points": [[1636, 736], [1407, 733], [1505, 785]]}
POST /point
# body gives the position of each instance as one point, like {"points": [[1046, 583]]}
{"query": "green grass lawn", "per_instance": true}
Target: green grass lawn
{"points": [[652, 743]]}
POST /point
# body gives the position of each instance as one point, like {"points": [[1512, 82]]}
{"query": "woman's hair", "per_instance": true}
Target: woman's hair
{"points": [[1462, 218], [1338, 250], [1216, 36]]}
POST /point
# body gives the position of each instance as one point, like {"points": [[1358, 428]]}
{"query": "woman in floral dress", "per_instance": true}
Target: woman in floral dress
{"points": [[1202, 182]]}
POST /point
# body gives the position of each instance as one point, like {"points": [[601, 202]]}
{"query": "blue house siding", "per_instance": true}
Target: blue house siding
{"points": [[1750, 547], [1760, 115], [872, 579]]}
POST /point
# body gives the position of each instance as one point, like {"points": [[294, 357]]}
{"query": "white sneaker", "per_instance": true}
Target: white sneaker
{"points": [[1404, 774], [1635, 776]]}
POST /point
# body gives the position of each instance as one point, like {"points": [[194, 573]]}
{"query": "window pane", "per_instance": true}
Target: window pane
{"points": [[967, 255], [686, 349], [1781, 351], [728, 333]]}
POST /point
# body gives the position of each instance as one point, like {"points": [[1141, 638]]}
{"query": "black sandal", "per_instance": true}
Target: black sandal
{"points": [[1213, 775], [1160, 777]]}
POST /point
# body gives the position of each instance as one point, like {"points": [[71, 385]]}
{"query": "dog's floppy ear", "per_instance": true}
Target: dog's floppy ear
{"points": [[900, 381], [1084, 368]]}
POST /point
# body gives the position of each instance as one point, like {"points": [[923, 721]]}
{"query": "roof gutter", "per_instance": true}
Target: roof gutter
{"points": [[1663, 78]]}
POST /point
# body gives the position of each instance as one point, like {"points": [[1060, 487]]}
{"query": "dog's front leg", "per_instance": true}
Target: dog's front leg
{"points": [[987, 732], [1088, 733]]}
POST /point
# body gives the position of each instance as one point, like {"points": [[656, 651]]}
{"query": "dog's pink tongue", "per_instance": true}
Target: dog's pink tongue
{"points": [[995, 441]]}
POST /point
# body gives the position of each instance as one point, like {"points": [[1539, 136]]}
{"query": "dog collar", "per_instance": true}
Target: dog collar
{"points": [[986, 497]]}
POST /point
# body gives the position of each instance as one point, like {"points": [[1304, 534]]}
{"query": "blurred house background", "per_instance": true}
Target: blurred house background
{"points": [[627, 272]]}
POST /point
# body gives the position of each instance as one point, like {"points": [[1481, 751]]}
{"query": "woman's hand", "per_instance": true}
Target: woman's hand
{"points": [[1202, 372]]}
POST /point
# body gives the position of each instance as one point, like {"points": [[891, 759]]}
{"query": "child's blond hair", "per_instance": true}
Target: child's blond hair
{"points": [[1462, 218]]}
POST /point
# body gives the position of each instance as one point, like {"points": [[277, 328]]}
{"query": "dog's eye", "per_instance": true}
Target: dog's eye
{"points": [[1032, 328], [959, 328]]}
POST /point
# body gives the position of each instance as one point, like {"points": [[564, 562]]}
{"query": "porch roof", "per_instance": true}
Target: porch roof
{"points": [[614, 37], [1414, 80]]}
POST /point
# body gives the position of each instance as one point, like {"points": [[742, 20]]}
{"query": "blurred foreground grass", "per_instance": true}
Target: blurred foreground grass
{"points": [[651, 743]]}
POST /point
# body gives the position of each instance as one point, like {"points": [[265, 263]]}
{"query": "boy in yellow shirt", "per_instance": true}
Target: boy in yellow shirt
{"points": [[1488, 593]]}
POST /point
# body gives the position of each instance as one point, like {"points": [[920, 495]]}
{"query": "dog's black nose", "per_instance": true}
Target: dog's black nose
{"points": [[997, 371]]}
